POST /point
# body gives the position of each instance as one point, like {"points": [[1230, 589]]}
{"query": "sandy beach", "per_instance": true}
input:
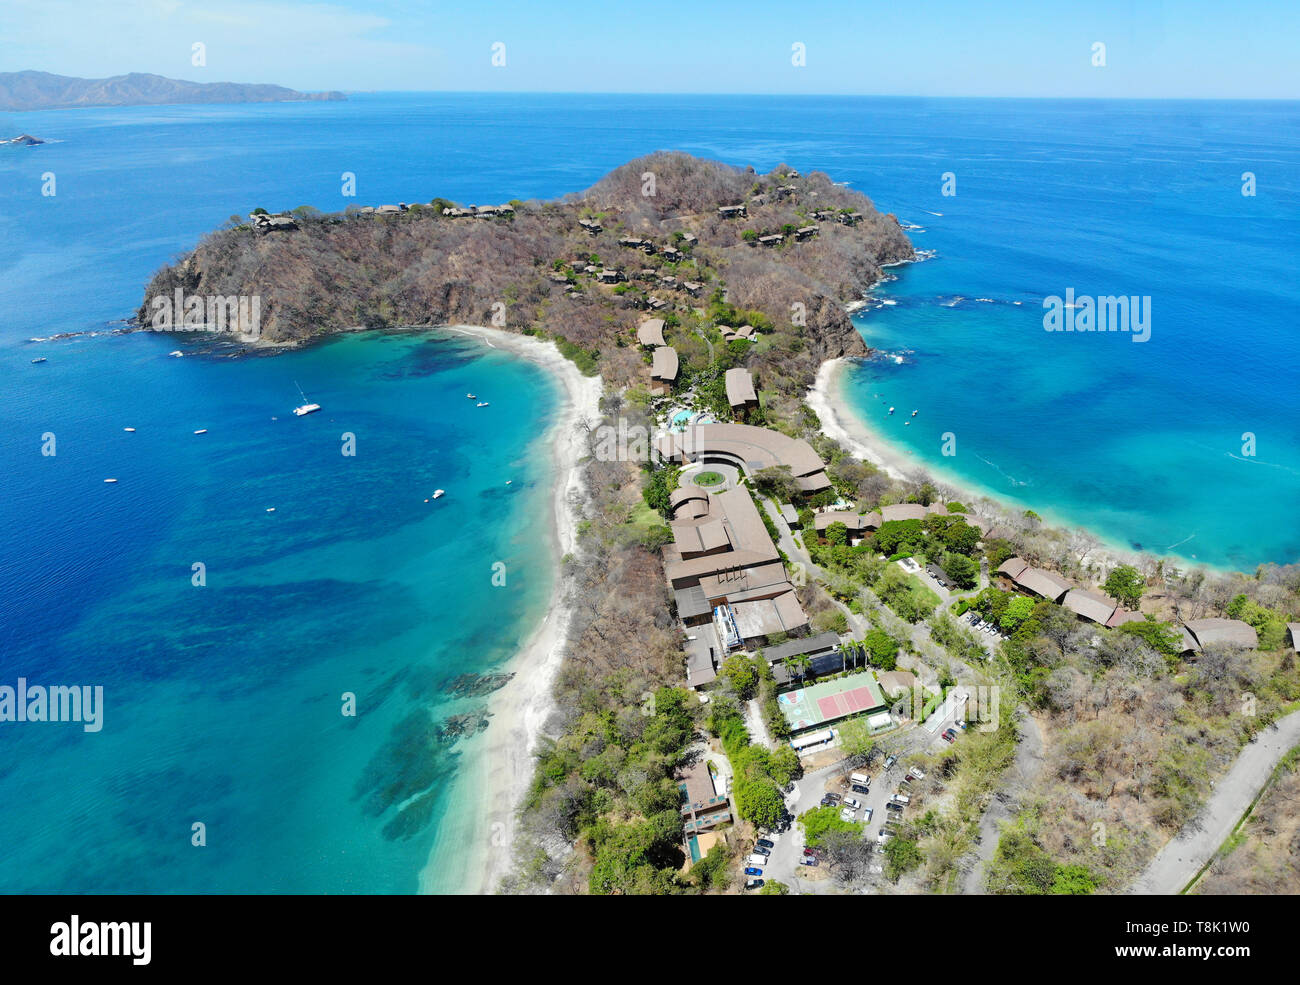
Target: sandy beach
{"points": [[826, 399], [499, 762]]}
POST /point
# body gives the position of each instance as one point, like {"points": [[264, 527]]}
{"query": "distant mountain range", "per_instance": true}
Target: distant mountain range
{"points": [[42, 90]]}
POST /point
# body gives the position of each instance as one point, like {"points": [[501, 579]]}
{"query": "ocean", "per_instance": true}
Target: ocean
{"points": [[223, 702]]}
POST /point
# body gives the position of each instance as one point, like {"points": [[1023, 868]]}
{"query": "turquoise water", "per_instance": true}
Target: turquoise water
{"points": [[1144, 443], [223, 702]]}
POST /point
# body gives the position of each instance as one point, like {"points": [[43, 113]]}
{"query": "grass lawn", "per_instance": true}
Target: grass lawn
{"points": [[708, 479]]}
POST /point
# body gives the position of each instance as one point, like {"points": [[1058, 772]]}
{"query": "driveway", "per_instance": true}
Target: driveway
{"points": [[1185, 855]]}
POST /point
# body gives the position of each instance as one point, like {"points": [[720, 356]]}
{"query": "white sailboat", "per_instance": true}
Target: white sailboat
{"points": [[304, 408]]}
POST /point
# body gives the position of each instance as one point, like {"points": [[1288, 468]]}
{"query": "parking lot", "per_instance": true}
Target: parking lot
{"points": [[783, 864]]}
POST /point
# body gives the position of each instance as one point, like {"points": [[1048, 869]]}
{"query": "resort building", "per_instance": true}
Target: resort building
{"points": [[732, 211], [663, 369], [806, 232], [704, 807], [1089, 605], [728, 581], [857, 525], [749, 448], [740, 392], [822, 652], [905, 511], [1293, 628], [1200, 633]]}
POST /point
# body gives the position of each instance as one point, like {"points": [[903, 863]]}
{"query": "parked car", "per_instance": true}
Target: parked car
{"points": [[890, 761], [852, 802], [847, 815], [760, 850], [809, 860], [883, 836], [948, 737], [752, 871], [894, 805], [900, 798], [834, 797], [828, 801], [859, 788], [919, 774], [753, 883], [950, 730], [766, 843], [905, 779], [860, 779], [866, 815]]}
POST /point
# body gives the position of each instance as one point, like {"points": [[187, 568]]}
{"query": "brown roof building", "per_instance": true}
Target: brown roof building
{"points": [[1229, 632], [663, 369], [651, 332], [740, 391], [747, 447], [1089, 605]]}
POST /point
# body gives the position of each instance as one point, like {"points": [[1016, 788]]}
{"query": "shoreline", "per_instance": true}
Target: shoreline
{"points": [[855, 435], [502, 766]]}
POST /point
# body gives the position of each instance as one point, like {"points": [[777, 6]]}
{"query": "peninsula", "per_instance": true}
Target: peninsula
{"points": [[751, 595], [28, 90]]}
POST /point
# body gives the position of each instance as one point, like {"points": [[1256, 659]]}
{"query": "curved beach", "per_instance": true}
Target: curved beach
{"points": [[480, 834], [826, 399]]}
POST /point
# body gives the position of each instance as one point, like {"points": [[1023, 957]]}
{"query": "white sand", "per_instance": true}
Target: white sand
{"points": [[501, 756], [826, 399]]}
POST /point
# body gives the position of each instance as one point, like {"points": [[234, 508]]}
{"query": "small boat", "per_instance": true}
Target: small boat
{"points": [[110, 480], [270, 509], [176, 352], [39, 359], [913, 413], [304, 408], [471, 396], [481, 403], [508, 481], [439, 493], [891, 410], [201, 431], [129, 430]]}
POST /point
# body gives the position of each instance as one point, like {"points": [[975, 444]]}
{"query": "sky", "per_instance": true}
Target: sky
{"points": [[1040, 48]]}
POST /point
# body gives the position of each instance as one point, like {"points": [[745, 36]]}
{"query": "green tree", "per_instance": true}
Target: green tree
{"points": [[740, 671], [964, 571], [1018, 609], [773, 888], [1125, 584], [1073, 880], [902, 855], [761, 802]]}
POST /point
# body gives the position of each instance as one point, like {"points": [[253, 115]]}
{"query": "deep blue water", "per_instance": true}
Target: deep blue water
{"points": [[223, 701]]}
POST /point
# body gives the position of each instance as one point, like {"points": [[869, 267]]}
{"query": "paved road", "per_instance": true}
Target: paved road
{"points": [[1023, 771], [1180, 860]]}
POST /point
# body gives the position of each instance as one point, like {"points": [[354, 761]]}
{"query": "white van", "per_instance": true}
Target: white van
{"points": [[901, 798], [757, 861], [860, 780]]}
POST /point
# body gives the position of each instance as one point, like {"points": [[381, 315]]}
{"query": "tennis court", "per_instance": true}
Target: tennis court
{"points": [[830, 701]]}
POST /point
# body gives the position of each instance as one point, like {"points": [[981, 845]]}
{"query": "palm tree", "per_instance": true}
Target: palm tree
{"points": [[799, 664]]}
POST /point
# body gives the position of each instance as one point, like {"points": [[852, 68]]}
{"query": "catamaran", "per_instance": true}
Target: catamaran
{"points": [[305, 408]]}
